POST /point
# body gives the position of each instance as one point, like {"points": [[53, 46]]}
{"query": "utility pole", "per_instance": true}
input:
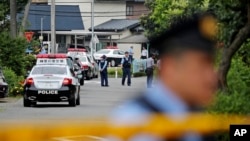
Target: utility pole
{"points": [[13, 24], [53, 21], [92, 27]]}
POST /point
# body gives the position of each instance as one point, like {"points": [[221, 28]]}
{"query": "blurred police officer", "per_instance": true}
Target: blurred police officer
{"points": [[187, 79], [126, 68], [150, 70], [103, 65]]}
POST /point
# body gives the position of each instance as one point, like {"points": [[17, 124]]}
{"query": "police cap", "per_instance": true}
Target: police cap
{"points": [[196, 32]]}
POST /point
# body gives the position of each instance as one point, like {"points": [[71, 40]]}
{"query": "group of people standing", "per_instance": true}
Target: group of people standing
{"points": [[126, 63]]}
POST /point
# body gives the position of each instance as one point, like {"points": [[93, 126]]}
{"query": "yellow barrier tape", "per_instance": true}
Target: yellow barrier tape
{"points": [[157, 125]]}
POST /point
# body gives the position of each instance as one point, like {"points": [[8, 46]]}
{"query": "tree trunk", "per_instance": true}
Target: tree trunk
{"points": [[228, 52], [25, 17], [13, 24]]}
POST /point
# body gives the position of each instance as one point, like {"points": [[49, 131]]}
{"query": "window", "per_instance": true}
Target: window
{"points": [[49, 70], [129, 10], [116, 52], [83, 59], [103, 51]]}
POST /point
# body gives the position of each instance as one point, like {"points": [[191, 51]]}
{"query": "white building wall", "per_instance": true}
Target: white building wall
{"points": [[136, 48], [104, 11]]}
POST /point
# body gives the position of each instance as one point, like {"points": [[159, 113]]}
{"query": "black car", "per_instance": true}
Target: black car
{"points": [[3, 86]]}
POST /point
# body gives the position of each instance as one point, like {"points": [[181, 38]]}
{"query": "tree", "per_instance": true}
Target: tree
{"points": [[12, 53], [233, 17], [5, 12], [13, 23]]}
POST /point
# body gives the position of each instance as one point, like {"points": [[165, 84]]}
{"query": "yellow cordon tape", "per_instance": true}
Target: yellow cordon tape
{"points": [[157, 125]]}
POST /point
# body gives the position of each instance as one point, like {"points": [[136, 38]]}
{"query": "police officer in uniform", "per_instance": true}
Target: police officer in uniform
{"points": [[187, 79], [103, 65], [126, 69]]}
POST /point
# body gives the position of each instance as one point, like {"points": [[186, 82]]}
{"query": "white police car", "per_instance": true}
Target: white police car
{"points": [[58, 59], [52, 83]]}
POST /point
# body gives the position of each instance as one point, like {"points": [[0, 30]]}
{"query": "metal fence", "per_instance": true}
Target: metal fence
{"points": [[139, 65]]}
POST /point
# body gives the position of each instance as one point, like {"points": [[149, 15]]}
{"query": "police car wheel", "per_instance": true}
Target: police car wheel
{"points": [[26, 102], [82, 81], [78, 99], [72, 101]]}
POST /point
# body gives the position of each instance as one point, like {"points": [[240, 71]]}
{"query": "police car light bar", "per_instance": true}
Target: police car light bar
{"points": [[76, 50], [51, 56]]}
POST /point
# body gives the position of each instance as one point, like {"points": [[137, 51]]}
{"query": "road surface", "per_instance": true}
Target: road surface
{"points": [[96, 101]]}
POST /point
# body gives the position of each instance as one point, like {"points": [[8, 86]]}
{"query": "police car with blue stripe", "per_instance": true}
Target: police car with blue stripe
{"points": [[52, 80]]}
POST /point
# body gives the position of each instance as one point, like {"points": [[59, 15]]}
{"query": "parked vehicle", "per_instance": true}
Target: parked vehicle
{"points": [[52, 83], [3, 87], [89, 68], [95, 64], [57, 59], [114, 56]]}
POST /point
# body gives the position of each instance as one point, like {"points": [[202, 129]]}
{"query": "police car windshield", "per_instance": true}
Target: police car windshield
{"points": [[103, 51], [83, 59], [1, 80], [49, 70]]}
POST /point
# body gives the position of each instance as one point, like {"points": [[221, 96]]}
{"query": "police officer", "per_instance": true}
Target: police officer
{"points": [[103, 65], [126, 69], [187, 79], [150, 70]]}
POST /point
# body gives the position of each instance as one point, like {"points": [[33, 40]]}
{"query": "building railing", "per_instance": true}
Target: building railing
{"points": [[139, 65]]}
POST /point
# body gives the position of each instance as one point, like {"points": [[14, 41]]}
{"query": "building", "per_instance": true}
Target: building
{"points": [[68, 18], [115, 23], [129, 33], [135, 9]]}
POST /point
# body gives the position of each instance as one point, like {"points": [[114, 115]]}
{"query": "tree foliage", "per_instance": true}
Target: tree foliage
{"points": [[12, 53], [233, 17], [5, 12]]}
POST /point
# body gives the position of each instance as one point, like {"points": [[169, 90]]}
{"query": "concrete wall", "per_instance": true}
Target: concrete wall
{"points": [[104, 11], [136, 48]]}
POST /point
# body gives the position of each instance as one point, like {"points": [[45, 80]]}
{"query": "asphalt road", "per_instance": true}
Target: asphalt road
{"points": [[96, 101]]}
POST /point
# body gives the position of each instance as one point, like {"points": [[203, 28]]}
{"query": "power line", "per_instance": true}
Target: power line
{"points": [[68, 15], [90, 12]]}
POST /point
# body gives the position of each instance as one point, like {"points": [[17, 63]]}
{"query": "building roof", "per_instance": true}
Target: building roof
{"points": [[68, 17], [136, 39], [117, 25]]}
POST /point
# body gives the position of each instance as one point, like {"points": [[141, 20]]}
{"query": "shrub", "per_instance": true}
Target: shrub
{"points": [[12, 53], [139, 74], [111, 71], [14, 82], [29, 62]]}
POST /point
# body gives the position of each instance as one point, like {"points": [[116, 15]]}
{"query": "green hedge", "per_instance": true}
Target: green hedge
{"points": [[112, 70], [139, 74], [14, 82]]}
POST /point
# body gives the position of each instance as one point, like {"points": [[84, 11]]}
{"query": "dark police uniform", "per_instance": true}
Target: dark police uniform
{"points": [[126, 64], [160, 99], [103, 65]]}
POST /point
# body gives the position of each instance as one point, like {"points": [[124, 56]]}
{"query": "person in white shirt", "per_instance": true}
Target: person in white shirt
{"points": [[144, 53]]}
